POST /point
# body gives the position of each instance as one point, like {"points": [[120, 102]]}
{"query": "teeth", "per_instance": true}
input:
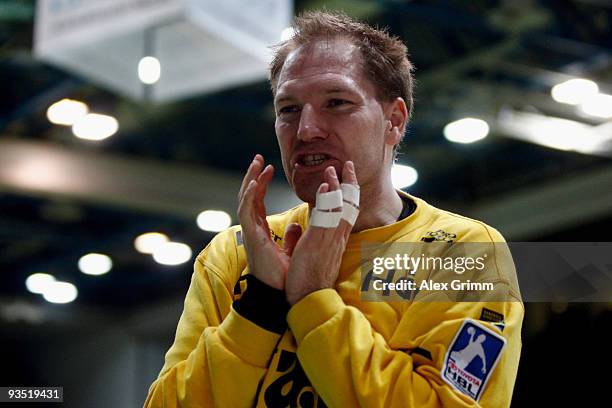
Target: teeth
{"points": [[314, 159]]}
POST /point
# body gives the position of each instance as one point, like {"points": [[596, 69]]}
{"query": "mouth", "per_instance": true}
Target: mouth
{"points": [[313, 162]]}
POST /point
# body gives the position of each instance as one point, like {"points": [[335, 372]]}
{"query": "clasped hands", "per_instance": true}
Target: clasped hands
{"points": [[309, 260]]}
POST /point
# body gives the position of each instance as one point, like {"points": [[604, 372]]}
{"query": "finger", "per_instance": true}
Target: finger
{"points": [[252, 172], [246, 208], [257, 188], [252, 198], [332, 178], [246, 215], [334, 184], [293, 232], [350, 177], [321, 219], [263, 180], [255, 229], [348, 173]]}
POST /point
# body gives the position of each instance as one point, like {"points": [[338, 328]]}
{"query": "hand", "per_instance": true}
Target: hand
{"points": [[316, 259], [266, 260]]}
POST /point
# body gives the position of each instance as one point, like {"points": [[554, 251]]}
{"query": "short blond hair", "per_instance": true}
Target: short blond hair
{"points": [[385, 57]]}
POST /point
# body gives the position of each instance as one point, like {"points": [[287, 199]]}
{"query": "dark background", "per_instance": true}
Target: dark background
{"points": [[472, 57]]}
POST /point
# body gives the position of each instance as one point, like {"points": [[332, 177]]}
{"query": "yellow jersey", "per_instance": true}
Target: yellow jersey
{"points": [[339, 350]]}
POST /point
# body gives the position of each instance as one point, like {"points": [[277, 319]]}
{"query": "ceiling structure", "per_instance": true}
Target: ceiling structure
{"points": [[62, 197]]}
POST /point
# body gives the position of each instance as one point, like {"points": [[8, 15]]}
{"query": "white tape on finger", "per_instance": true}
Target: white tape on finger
{"points": [[350, 194], [325, 219], [329, 200], [350, 207], [349, 213], [346, 197]]}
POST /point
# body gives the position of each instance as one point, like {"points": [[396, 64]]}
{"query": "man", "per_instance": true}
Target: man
{"points": [[274, 315]]}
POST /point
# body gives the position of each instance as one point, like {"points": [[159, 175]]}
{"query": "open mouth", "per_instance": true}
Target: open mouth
{"points": [[311, 160]]}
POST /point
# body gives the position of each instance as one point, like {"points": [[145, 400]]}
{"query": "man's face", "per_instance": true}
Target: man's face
{"points": [[327, 113]]}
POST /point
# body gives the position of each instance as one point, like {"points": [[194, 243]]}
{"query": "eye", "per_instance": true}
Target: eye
{"points": [[288, 109], [337, 102]]}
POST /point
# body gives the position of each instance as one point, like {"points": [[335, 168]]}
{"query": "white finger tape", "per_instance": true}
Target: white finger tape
{"points": [[329, 200], [349, 213], [350, 208], [350, 194], [325, 219]]}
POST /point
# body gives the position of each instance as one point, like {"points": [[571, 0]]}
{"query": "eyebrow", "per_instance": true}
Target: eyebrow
{"points": [[329, 91]]}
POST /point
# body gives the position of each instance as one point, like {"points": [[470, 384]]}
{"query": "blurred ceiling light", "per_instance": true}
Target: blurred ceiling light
{"points": [[212, 220], [561, 134], [66, 112], [94, 126], [556, 133], [60, 292], [599, 105], [149, 70], [39, 282], [403, 176], [95, 264], [287, 33], [147, 243], [172, 253], [574, 91], [466, 130]]}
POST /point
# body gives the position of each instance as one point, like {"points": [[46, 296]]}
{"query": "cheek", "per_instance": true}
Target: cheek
{"points": [[370, 135], [285, 138], [370, 149], [281, 134]]}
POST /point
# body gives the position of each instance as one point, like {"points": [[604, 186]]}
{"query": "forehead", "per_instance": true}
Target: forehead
{"points": [[325, 63]]}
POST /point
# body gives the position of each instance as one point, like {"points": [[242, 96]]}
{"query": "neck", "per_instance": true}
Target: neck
{"points": [[378, 207]]}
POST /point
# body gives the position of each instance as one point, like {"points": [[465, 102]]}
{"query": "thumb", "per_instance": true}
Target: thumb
{"points": [[293, 232]]}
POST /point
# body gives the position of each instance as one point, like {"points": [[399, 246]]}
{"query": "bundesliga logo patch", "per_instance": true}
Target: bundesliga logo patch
{"points": [[471, 358]]}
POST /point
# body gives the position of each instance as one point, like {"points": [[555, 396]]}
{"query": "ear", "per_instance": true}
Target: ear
{"points": [[396, 113]]}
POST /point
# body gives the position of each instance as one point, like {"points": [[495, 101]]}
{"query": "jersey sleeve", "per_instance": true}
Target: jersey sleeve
{"points": [[213, 361], [442, 354]]}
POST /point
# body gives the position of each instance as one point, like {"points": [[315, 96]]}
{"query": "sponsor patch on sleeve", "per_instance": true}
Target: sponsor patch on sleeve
{"points": [[471, 358], [497, 319]]}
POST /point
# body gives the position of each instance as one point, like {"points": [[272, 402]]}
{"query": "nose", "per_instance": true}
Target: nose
{"points": [[311, 125]]}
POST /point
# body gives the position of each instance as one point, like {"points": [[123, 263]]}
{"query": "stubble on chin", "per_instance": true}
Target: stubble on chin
{"points": [[307, 194], [306, 190]]}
